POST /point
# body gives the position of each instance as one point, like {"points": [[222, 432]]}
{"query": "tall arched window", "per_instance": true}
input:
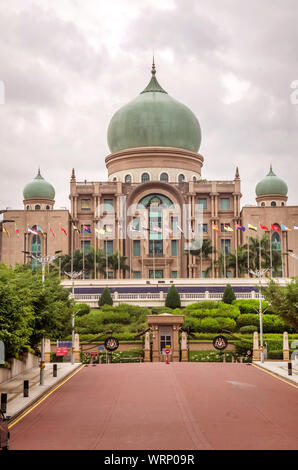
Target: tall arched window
{"points": [[273, 203], [35, 249], [145, 177], [164, 177], [48, 207], [181, 178], [127, 179]]}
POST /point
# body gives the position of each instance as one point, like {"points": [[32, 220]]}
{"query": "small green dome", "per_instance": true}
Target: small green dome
{"points": [[154, 119], [271, 184], [39, 188]]}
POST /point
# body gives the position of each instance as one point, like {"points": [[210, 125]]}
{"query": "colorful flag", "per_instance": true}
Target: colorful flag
{"points": [[228, 229], [86, 229], [6, 231], [63, 230], [39, 229], [263, 227], [284, 227], [295, 227], [275, 227], [215, 228], [157, 229], [31, 230], [100, 230], [17, 232], [252, 227], [52, 232], [240, 227], [109, 229], [76, 228]]}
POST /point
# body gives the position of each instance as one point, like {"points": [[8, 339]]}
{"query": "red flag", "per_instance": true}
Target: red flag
{"points": [[63, 230], [274, 227], [51, 230], [263, 227]]}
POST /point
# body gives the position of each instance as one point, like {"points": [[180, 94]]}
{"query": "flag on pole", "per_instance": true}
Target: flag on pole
{"points": [[157, 229], [63, 230], [52, 232], [293, 255], [109, 229], [275, 227], [284, 227], [263, 227], [240, 227], [100, 230], [17, 232], [227, 228], [86, 229], [215, 227], [39, 229], [295, 227], [6, 231], [32, 230], [252, 227], [76, 229], [180, 229]]}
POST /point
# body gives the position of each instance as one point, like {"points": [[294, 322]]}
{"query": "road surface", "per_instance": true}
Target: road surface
{"points": [[156, 406]]}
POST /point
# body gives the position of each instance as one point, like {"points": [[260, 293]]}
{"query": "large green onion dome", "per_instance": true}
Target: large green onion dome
{"points": [[154, 119], [39, 188], [271, 184]]}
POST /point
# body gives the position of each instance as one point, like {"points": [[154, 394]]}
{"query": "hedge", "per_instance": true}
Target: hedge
{"points": [[248, 329], [250, 305]]}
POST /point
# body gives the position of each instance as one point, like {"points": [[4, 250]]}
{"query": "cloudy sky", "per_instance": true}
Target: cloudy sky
{"points": [[68, 65]]}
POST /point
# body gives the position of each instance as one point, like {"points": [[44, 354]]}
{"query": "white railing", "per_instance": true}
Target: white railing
{"points": [[158, 299]]}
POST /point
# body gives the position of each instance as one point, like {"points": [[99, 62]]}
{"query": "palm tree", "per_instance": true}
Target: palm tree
{"points": [[204, 253], [116, 261]]}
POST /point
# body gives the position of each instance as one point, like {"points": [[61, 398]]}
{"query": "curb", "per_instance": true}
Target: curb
{"points": [[43, 393], [277, 376]]}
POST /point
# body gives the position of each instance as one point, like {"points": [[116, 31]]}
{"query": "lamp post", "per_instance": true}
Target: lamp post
{"points": [[43, 260], [73, 275], [259, 273]]}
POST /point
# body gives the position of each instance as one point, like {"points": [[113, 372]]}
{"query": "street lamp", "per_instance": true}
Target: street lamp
{"points": [[43, 260], [259, 273], [73, 275]]}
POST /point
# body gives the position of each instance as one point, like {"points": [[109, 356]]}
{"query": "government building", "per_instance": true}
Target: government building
{"points": [[156, 208]]}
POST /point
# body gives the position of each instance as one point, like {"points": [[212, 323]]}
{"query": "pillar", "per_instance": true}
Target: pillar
{"points": [[286, 351], [147, 347], [47, 350], [77, 357], [184, 349], [256, 351]]}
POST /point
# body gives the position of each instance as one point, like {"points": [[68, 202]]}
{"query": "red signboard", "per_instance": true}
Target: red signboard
{"points": [[61, 351]]}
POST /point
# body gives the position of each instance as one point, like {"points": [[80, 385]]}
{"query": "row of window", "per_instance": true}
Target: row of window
{"points": [[272, 204], [37, 207], [224, 204], [164, 177]]}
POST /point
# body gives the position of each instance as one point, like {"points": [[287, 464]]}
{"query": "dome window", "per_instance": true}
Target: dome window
{"points": [[282, 203], [181, 178], [164, 177], [145, 177], [114, 179], [194, 179], [128, 179], [273, 204], [48, 207], [263, 204], [27, 208], [37, 207]]}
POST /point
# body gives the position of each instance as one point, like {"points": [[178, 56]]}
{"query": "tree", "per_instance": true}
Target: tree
{"points": [[105, 298], [228, 295], [115, 261], [283, 300], [173, 298]]}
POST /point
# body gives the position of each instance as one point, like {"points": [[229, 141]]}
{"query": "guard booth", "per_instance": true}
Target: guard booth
{"points": [[165, 334]]}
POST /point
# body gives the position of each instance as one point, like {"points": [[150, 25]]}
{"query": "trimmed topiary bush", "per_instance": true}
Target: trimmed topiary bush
{"points": [[82, 309], [173, 298], [105, 298], [248, 329], [228, 295], [251, 305], [226, 323]]}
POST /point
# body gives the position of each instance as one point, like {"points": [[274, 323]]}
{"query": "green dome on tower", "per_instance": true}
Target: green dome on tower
{"points": [[154, 119], [271, 184], [39, 188]]}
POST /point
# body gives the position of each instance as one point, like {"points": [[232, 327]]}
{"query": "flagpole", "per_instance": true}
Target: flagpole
{"points": [[95, 248], [83, 254], [270, 252], [248, 253]]}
